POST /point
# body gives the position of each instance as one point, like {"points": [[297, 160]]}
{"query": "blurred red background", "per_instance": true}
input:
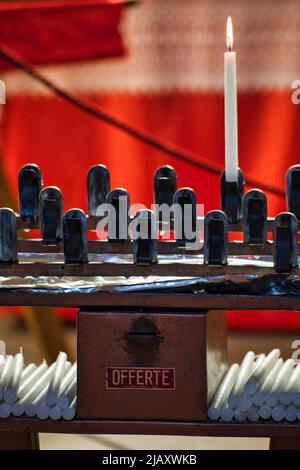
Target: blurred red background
{"points": [[169, 82]]}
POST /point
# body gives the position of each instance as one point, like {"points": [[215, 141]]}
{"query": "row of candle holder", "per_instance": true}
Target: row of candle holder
{"points": [[32, 196], [73, 229]]}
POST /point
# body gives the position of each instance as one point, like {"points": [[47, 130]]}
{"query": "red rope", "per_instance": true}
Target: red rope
{"points": [[140, 134]]}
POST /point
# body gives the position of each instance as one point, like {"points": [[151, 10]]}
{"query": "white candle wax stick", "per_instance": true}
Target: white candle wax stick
{"points": [[227, 414], [253, 414], [257, 378], [68, 377], [69, 413], [265, 411], [291, 413], [2, 362], [55, 383], [245, 403], [66, 398], [231, 123], [286, 396], [55, 413], [18, 408], [223, 392], [280, 381], [260, 396], [43, 411], [245, 371], [31, 408], [27, 371], [10, 394], [278, 413], [6, 374], [27, 385], [239, 415], [258, 361], [5, 410]]}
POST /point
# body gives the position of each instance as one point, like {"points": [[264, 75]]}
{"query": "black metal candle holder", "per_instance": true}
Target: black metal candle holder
{"points": [[293, 190], [185, 215], [255, 217], [8, 236], [285, 242], [98, 187], [75, 237], [231, 197], [118, 229], [30, 185], [215, 238], [145, 249], [51, 215]]}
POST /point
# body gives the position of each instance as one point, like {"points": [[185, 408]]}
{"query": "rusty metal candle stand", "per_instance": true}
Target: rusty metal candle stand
{"points": [[150, 360]]}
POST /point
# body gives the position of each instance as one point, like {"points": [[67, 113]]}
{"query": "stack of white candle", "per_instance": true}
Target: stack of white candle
{"points": [[38, 391], [262, 387]]}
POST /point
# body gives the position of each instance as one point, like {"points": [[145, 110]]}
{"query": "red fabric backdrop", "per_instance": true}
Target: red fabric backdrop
{"points": [[172, 86]]}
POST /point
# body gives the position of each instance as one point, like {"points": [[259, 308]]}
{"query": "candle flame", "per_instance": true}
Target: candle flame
{"points": [[229, 34]]}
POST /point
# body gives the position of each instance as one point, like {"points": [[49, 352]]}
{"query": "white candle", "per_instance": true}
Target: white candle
{"points": [[5, 410], [27, 371], [286, 396], [19, 407], [259, 375], [68, 395], [70, 412], [280, 381], [31, 380], [43, 411], [259, 397], [230, 94], [245, 371], [223, 392], [291, 413], [253, 414], [239, 415], [6, 374], [278, 413], [265, 411], [55, 383], [68, 377], [55, 413], [10, 394], [2, 362]]}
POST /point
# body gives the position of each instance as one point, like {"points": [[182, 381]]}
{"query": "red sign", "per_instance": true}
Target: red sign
{"points": [[140, 377]]}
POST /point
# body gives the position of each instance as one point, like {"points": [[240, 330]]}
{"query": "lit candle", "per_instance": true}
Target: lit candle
{"points": [[230, 92]]}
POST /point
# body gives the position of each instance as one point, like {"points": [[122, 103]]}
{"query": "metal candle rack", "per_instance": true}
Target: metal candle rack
{"points": [[42, 208], [181, 337]]}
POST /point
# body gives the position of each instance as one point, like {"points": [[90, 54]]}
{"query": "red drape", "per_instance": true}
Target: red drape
{"points": [[59, 31], [171, 84]]}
